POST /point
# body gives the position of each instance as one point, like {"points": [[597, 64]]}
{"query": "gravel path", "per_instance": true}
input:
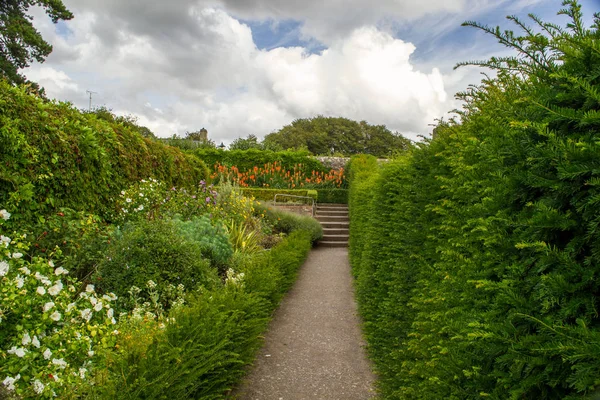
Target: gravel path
{"points": [[314, 348]]}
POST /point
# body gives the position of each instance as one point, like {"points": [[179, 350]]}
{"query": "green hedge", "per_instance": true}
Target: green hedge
{"points": [[269, 194], [245, 160], [477, 254], [337, 196], [215, 336], [55, 156]]}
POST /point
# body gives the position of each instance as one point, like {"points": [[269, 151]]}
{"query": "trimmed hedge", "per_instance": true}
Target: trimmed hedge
{"points": [[55, 156], [245, 160], [477, 255], [269, 194], [337, 196]]}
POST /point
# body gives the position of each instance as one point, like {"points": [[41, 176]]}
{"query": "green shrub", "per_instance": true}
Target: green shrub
{"points": [[154, 250], [336, 196], [213, 240], [287, 222]]}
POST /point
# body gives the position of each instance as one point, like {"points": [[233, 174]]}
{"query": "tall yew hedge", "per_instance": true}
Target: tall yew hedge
{"points": [[477, 255], [52, 155]]}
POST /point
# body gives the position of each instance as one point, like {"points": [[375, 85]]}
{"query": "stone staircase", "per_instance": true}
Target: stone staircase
{"points": [[335, 222]]}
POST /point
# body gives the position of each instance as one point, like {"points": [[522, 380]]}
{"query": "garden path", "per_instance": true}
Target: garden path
{"points": [[314, 347]]}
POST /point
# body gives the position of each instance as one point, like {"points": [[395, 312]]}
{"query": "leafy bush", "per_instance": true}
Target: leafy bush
{"points": [[477, 276], [213, 240], [154, 250], [287, 222], [269, 194]]}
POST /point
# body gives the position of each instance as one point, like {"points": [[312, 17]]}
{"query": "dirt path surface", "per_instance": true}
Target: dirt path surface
{"points": [[314, 348]]}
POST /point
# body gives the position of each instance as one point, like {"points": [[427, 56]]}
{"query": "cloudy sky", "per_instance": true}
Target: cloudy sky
{"points": [[239, 67]]}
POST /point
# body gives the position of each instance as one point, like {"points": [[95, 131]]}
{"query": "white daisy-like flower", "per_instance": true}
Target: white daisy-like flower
{"points": [[93, 300], [55, 289], [98, 306], [36, 342], [17, 255], [86, 314], [40, 290], [38, 386], [20, 281], [25, 270], [110, 313], [51, 263], [60, 271], [91, 353], [55, 316], [9, 382], [17, 351], [5, 240], [4, 268], [140, 208], [82, 372], [89, 288], [5, 215], [26, 339], [128, 200], [122, 193], [48, 306], [70, 306], [47, 354], [59, 362]]}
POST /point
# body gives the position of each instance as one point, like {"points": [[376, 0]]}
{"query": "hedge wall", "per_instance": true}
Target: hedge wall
{"points": [[338, 196], [55, 156], [269, 194], [245, 160], [477, 254]]}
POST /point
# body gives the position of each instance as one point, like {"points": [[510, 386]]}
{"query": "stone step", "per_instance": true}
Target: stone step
{"points": [[332, 244], [331, 218], [335, 231], [332, 207], [335, 225], [335, 238], [340, 213]]}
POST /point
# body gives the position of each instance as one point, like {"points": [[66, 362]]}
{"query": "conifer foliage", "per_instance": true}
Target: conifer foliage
{"points": [[478, 272]]}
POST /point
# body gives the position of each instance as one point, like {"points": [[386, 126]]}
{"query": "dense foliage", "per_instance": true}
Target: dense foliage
{"points": [[477, 255], [327, 135], [20, 42], [54, 156]]}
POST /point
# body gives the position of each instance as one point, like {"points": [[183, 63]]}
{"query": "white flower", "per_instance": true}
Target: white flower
{"points": [[122, 193], [60, 271], [47, 354], [48, 306], [82, 372], [17, 351], [59, 362], [42, 278], [141, 194], [36, 342], [17, 255], [91, 353], [110, 313], [51, 263], [26, 339], [70, 306], [113, 321], [55, 316], [10, 382], [55, 289], [93, 300], [25, 270], [140, 208], [19, 281], [3, 268], [5, 240], [41, 291], [38, 386], [5, 215], [128, 200], [86, 314], [98, 306], [89, 288]]}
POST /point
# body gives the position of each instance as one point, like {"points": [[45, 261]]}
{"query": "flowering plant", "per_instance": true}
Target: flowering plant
{"points": [[48, 333]]}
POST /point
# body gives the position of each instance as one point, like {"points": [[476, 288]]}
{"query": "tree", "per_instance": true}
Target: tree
{"points": [[20, 42], [251, 142], [327, 135]]}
